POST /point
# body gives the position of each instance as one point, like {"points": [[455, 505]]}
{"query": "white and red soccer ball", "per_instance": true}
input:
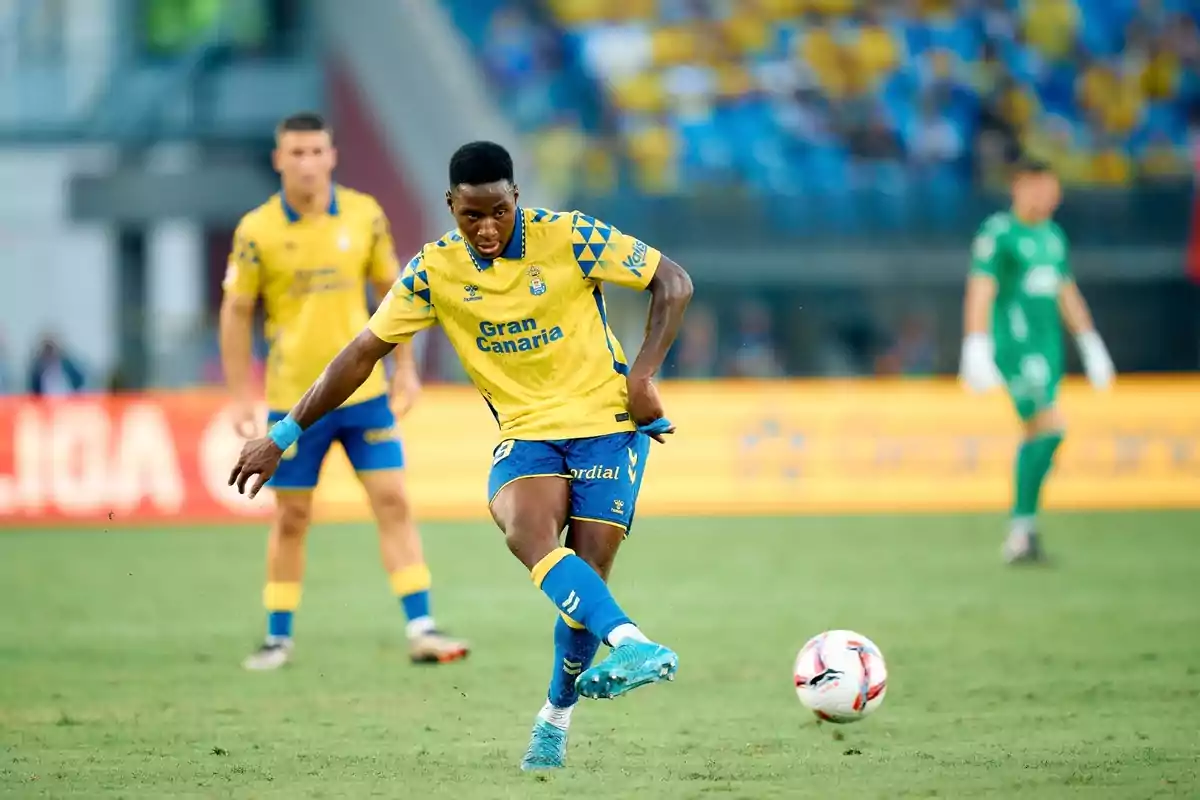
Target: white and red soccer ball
{"points": [[840, 676]]}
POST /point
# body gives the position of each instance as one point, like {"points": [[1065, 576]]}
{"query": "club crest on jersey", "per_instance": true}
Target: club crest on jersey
{"points": [[537, 286], [471, 293]]}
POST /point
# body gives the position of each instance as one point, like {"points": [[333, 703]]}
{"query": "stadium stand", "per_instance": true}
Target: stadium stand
{"points": [[788, 97]]}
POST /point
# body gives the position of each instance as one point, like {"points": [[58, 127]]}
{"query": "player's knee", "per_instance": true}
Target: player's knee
{"points": [[292, 518], [530, 537], [390, 504]]}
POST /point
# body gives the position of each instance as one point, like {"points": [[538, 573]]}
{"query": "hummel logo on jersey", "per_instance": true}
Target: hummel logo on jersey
{"points": [[471, 293], [570, 604]]}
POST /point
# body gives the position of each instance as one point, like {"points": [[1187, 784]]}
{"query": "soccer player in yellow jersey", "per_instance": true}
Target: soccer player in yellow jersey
{"points": [[310, 253], [520, 294]]}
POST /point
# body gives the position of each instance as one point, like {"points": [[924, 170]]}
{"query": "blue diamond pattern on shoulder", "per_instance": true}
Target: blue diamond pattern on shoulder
{"points": [[589, 240], [543, 215]]}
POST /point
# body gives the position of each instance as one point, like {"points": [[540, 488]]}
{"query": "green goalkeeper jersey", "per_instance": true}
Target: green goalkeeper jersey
{"points": [[1029, 263]]}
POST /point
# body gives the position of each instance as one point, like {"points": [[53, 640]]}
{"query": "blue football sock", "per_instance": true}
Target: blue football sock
{"points": [[279, 625], [575, 588], [574, 649]]}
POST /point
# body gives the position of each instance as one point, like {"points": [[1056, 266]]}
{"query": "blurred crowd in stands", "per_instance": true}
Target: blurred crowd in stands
{"points": [[826, 96]]}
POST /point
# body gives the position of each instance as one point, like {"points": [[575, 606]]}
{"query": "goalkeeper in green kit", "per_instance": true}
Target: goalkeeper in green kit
{"points": [[1019, 292]]}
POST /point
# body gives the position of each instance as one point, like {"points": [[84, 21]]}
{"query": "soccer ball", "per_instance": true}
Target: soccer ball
{"points": [[840, 676]]}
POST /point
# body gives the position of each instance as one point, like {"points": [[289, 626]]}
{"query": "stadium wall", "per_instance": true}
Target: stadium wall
{"points": [[790, 447]]}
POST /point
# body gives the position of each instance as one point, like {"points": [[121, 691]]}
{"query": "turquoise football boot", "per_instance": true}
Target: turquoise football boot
{"points": [[547, 748], [627, 667]]}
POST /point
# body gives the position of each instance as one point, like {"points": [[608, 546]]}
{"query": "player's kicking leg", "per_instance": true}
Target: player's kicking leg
{"points": [[1042, 429], [532, 499], [368, 436]]}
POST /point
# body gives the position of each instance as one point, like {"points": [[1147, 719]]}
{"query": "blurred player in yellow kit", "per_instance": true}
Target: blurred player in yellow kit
{"points": [[310, 252]]}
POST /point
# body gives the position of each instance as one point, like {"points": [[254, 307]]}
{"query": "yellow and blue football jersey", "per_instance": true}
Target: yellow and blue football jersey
{"points": [[312, 273], [530, 326]]}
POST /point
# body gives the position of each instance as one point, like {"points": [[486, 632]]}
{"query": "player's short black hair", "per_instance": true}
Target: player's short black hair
{"points": [[477, 163], [303, 122], [1029, 165]]}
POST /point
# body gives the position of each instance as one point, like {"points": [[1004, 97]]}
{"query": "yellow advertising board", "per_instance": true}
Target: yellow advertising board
{"points": [[856, 446]]}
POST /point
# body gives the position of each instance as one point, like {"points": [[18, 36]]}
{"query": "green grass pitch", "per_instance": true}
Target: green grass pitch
{"points": [[120, 675]]}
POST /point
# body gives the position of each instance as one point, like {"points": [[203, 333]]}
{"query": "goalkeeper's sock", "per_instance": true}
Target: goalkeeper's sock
{"points": [[1034, 459]]}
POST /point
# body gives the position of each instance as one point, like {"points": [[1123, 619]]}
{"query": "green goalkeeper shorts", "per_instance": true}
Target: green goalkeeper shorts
{"points": [[1032, 380]]}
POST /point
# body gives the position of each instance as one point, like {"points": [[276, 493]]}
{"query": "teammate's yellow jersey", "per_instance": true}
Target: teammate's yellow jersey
{"points": [[530, 327], [312, 273]]}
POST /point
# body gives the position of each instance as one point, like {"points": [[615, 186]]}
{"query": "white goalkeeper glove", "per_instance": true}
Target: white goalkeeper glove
{"points": [[978, 367], [1097, 363]]}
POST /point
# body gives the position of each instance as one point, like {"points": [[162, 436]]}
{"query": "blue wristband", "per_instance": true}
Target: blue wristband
{"points": [[659, 425], [285, 433]]}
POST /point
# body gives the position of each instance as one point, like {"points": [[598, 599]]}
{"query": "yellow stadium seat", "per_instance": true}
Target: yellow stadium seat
{"points": [[837, 8], [734, 80], [1111, 167], [1019, 107], [633, 10], [935, 8], [1160, 76], [575, 13], [643, 93], [748, 34], [673, 45], [653, 151], [877, 51], [1050, 25], [782, 9]]}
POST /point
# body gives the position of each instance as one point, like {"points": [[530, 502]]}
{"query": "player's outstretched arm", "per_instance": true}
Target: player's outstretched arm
{"points": [[1096, 361], [348, 371], [670, 292]]}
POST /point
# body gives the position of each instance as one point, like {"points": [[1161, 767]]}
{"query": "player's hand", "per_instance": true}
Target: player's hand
{"points": [[978, 366], [406, 388], [1097, 363], [259, 460], [246, 422], [645, 405]]}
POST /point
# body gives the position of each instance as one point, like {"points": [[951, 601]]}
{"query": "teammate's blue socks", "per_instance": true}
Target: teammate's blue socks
{"points": [[412, 584], [279, 625], [574, 649], [281, 599], [580, 593]]}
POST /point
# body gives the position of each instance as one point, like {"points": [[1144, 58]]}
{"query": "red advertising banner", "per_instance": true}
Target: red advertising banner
{"points": [[123, 458]]}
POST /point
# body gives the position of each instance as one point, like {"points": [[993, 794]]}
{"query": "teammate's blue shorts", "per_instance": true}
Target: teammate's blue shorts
{"points": [[366, 431], [605, 472]]}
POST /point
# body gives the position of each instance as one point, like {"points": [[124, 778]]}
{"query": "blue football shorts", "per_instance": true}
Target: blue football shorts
{"points": [[605, 472], [366, 431]]}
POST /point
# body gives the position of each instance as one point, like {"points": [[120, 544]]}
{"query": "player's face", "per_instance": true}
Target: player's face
{"points": [[305, 160], [1037, 195], [486, 215]]}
